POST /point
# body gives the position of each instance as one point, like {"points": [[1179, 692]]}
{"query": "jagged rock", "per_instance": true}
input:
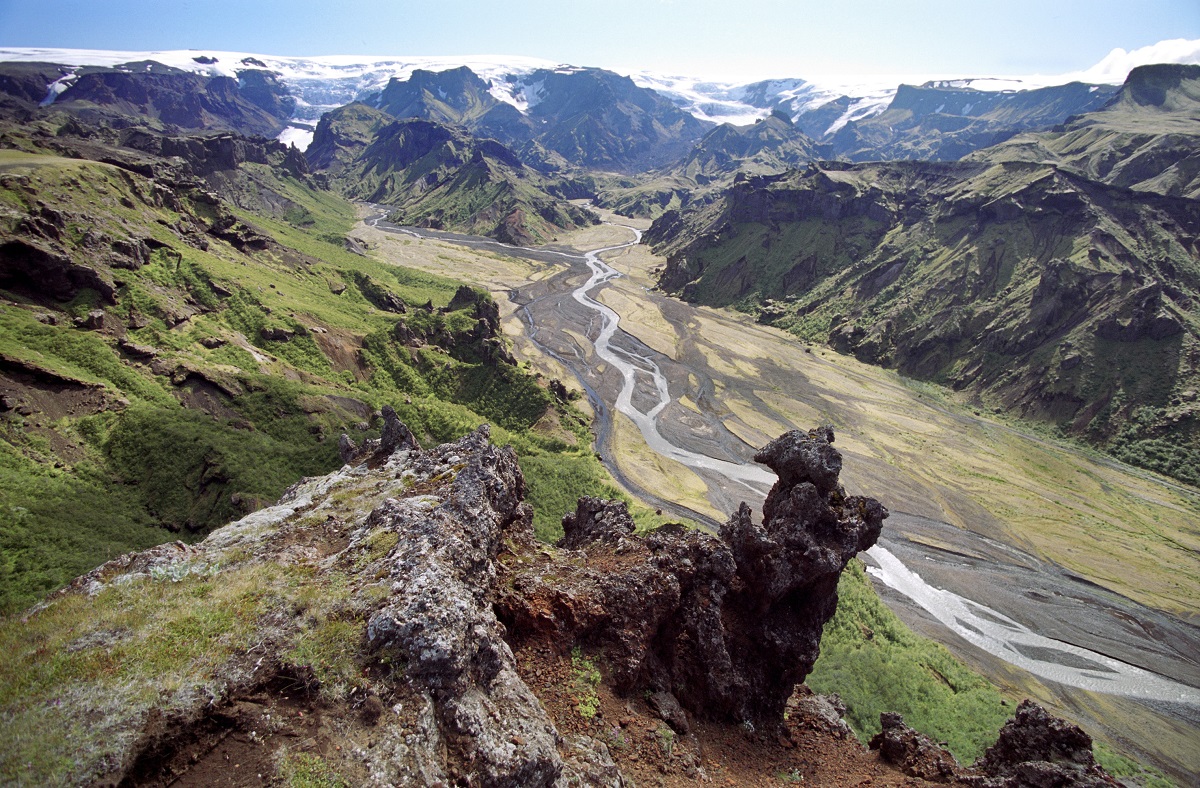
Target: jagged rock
{"points": [[378, 295], [347, 448], [212, 343], [1036, 750], [136, 350], [667, 707], [492, 352], [729, 625], [438, 621], [406, 336], [822, 713], [220, 290], [239, 236], [559, 390], [276, 333], [396, 434], [132, 253], [915, 753], [589, 765], [93, 321], [596, 521]]}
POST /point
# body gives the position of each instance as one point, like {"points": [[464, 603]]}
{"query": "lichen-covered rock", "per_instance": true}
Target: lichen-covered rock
{"points": [[915, 753], [438, 621], [823, 713], [596, 520], [399, 546], [727, 624]]}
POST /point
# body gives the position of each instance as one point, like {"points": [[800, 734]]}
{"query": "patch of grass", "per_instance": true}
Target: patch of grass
{"points": [[188, 466], [306, 770], [79, 355], [666, 740], [556, 482], [1128, 770], [378, 544], [56, 524], [330, 649], [128, 647], [584, 679]]}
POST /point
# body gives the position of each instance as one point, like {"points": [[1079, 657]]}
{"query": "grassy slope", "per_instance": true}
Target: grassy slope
{"points": [[79, 488]]}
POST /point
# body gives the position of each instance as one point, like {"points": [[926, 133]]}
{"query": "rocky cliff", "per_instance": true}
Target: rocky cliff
{"points": [[395, 623], [1144, 139], [433, 175]]}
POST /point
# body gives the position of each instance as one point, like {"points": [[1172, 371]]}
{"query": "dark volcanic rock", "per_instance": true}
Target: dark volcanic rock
{"points": [[914, 753], [396, 434], [729, 624], [1040, 751], [28, 265]]}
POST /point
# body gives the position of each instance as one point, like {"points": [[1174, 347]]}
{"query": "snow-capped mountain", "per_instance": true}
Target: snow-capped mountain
{"points": [[320, 84]]}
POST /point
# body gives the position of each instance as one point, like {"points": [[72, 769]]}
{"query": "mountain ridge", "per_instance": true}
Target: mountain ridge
{"points": [[330, 81]]}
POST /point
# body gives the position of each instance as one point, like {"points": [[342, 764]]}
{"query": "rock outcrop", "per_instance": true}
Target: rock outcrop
{"points": [[727, 624], [380, 625], [1040, 751]]}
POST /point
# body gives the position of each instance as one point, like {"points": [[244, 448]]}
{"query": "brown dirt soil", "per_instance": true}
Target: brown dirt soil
{"points": [[800, 752]]}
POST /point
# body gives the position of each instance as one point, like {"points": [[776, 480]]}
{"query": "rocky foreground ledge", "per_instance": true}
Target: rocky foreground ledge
{"points": [[396, 623]]}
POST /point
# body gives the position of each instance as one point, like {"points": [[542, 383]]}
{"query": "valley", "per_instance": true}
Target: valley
{"points": [[980, 508], [988, 289]]}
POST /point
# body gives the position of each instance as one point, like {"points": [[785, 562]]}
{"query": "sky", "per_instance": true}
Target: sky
{"points": [[716, 39]]}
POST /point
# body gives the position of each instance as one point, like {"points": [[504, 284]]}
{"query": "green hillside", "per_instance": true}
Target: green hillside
{"points": [[169, 361]]}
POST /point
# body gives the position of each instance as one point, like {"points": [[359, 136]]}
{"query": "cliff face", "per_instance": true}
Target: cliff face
{"points": [[726, 624]]}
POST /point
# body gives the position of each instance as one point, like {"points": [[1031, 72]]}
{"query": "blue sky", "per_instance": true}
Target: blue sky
{"points": [[757, 38]]}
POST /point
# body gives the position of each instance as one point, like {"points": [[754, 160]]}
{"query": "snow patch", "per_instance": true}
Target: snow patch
{"points": [[295, 135], [58, 87]]}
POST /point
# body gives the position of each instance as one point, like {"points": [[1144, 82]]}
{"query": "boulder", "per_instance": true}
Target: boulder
{"points": [[1038, 750], [914, 753]]}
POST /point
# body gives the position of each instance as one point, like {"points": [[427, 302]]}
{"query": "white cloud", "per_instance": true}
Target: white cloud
{"points": [[1117, 64]]}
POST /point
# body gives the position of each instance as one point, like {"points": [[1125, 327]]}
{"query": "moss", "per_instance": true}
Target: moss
{"points": [[585, 678], [306, 770]]}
